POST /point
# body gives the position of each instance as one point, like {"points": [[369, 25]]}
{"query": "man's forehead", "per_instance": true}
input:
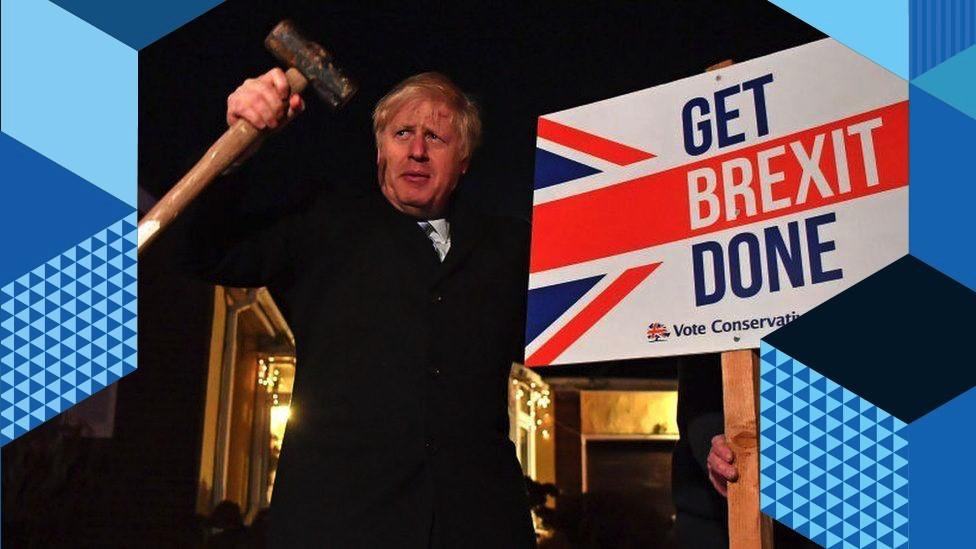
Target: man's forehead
{"points": [[430, 111]]}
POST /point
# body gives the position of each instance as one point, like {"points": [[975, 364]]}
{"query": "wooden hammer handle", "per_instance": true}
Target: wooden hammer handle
{"points": [[220, 156]]}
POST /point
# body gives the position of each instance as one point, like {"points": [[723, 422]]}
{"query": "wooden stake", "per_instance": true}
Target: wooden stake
{"points": [[748, 527]]}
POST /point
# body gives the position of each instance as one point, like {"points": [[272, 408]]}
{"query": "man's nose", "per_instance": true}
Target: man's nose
{"points": [[418, 148]]}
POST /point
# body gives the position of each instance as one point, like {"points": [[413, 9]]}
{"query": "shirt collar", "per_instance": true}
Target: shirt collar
{"points": [[442, 227]]}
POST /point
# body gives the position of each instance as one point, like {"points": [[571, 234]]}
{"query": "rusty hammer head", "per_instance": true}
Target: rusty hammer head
{"points": [[313, 61]]}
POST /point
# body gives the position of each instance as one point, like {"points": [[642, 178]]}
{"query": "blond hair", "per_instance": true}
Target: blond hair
{"points": [[436, 86]]}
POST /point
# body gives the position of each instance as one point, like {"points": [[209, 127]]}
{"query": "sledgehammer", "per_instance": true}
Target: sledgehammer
{"points": [[308, 64]]}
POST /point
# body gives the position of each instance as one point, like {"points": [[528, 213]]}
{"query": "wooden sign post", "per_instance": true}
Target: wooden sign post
{"points": [[749, 528]]}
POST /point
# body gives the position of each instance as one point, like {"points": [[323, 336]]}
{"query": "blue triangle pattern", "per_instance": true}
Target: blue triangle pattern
{"points": [[60, 337], [834, 467]]}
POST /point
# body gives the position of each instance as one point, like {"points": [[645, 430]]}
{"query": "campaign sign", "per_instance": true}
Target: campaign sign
{"points": [[700, 215]]}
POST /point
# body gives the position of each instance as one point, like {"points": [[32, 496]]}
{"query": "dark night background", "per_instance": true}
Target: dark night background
{"points": [[518, 59]]}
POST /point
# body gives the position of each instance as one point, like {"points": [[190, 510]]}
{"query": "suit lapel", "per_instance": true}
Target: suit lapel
{"points": [[409, 240], [467, 229]]}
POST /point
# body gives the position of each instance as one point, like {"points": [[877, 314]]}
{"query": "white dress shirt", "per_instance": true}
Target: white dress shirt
{"points": [[439, 233]]}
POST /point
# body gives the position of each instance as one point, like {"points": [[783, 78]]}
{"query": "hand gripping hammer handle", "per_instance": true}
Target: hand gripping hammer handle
{"points": [[309, 64]]}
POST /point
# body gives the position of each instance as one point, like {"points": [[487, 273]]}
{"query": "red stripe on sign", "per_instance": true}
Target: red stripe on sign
{"points": [[656, 209], [591, 313], [593, 145]]}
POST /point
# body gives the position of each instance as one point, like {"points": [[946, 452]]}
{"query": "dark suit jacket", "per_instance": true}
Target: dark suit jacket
{"points": [[700, 417], [400, 434]]}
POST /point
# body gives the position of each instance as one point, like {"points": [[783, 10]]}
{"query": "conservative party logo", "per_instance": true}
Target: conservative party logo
{"points": [[657, 332]]}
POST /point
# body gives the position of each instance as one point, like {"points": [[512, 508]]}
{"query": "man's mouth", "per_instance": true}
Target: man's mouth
{"points": [[416, 177]]}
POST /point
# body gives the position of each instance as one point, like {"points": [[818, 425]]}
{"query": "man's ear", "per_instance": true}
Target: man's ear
{"points": [[464, 165]]}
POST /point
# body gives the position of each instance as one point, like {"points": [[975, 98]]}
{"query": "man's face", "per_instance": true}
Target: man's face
{"points": [[419, 158]]}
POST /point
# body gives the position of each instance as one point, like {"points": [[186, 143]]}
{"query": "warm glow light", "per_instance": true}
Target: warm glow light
{"points": [[279, 418]]}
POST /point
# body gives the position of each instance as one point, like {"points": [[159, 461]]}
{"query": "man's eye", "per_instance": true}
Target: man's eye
{"points": [[433, 137], [401, 133]]}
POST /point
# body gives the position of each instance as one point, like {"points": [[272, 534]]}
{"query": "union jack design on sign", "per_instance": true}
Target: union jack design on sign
{"points": [[657, 332], [727, 202]]}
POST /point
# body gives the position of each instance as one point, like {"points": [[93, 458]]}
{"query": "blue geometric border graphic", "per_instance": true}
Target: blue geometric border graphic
{"points": [[867, 398], [67, 328], [68, 276], [833, 466], [68, 279]]}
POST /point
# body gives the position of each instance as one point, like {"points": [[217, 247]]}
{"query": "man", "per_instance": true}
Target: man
{"points": [[702, 514], [407, 311]]}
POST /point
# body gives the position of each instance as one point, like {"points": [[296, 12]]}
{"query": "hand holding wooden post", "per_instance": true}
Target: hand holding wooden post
{"points": [[749, 528], [308, 64]]}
